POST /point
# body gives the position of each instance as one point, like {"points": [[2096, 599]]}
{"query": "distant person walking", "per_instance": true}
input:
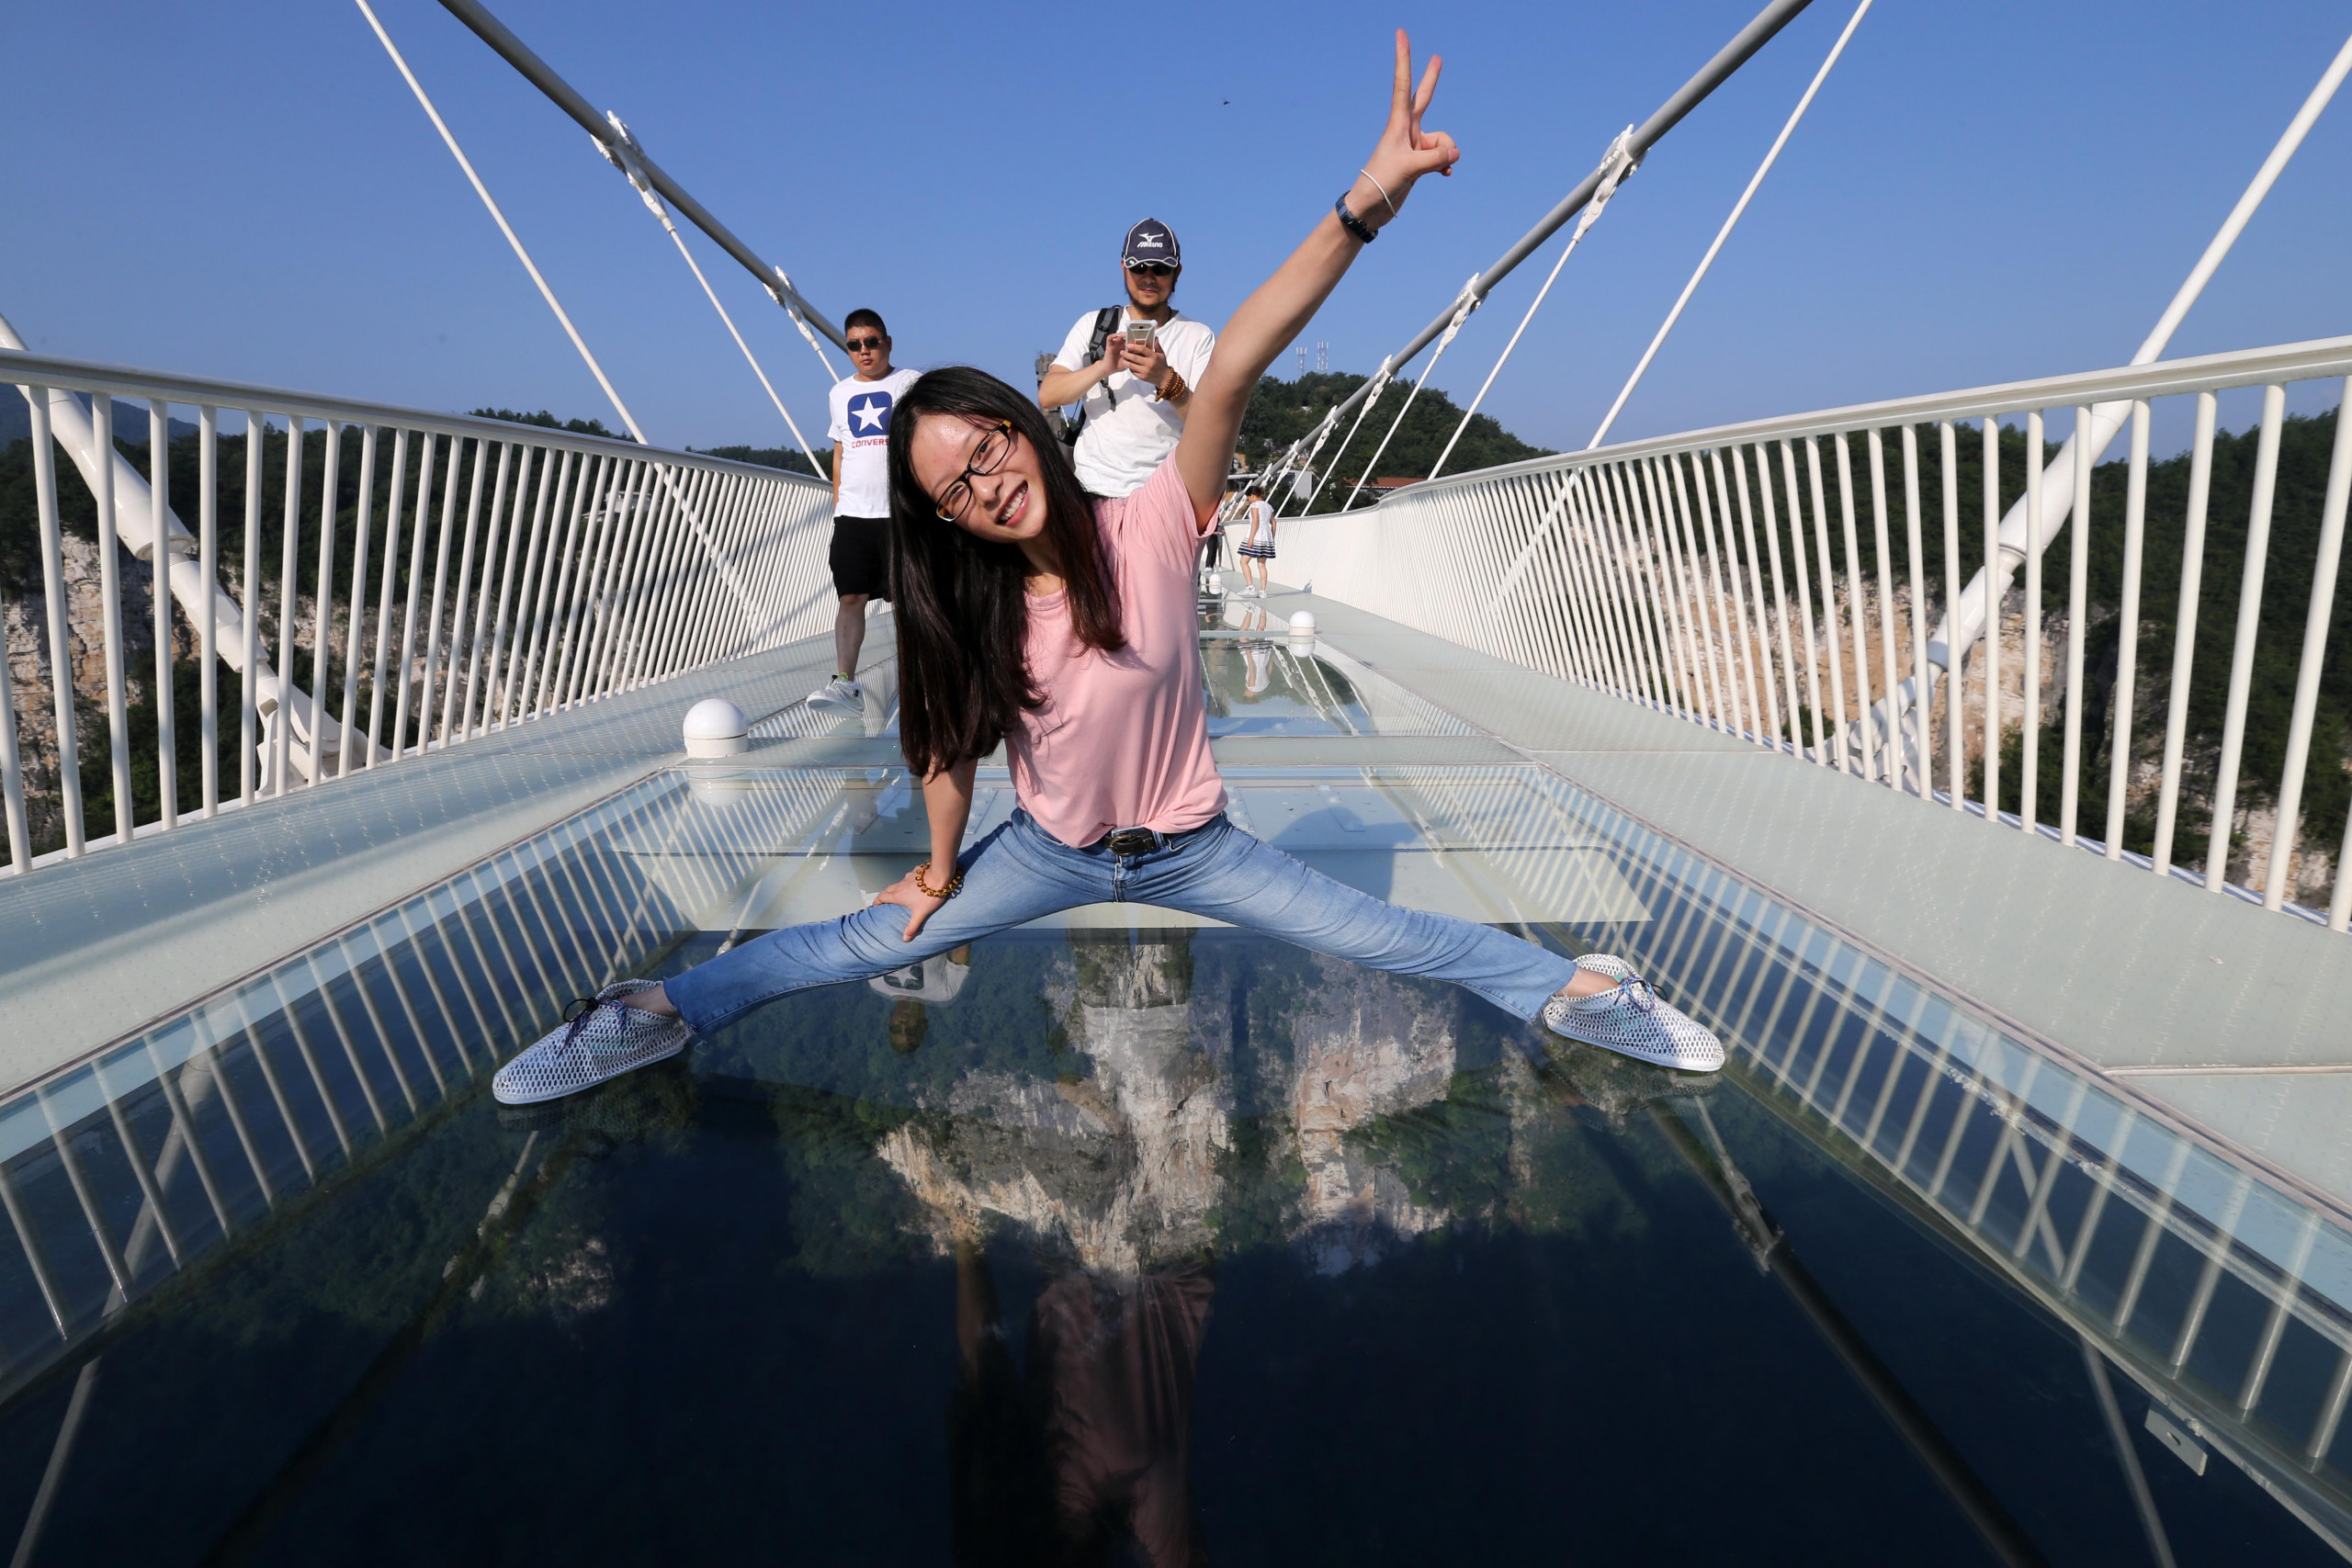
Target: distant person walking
{"points": [[1258, 544], [861, 552], [1131, 369]]}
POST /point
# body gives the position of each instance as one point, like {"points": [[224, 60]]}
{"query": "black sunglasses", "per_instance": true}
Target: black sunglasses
{"points": [[860, 344], [1157, 269]]}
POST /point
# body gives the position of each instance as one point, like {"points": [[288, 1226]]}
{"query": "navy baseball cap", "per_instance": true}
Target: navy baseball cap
{"points": [[1152, 240]]}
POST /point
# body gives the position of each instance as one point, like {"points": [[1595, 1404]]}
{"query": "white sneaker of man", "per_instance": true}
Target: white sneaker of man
{"points": [[840, 691]]}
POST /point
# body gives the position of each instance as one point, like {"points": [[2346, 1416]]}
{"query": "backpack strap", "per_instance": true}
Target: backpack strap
{"points": [[1106, 321]]}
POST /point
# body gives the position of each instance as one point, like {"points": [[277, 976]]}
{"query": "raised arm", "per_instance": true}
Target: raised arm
{"points": [[1284, 304]]}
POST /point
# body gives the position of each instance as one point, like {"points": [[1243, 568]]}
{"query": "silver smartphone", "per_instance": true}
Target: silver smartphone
{"points": [[1140, 334]]}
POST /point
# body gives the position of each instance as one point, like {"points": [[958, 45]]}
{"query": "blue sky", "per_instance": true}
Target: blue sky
{"points": [[1981, 192]]}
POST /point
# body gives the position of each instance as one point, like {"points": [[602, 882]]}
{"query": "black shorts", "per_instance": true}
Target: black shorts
{"points": [[861, 556]]}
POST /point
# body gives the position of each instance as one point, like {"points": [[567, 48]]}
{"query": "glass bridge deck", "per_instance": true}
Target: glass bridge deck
{"points": [[1123, 1235]]}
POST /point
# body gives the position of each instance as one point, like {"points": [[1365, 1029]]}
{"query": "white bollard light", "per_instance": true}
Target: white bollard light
{"points": [[1302, 623], [715, 728]]}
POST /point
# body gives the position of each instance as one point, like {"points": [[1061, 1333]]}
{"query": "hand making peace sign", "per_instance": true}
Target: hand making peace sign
{"points": [[1405, 152], [1280, 307]]}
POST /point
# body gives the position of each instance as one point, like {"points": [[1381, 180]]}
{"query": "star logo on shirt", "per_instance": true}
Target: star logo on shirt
{"points": [[869, 414]]}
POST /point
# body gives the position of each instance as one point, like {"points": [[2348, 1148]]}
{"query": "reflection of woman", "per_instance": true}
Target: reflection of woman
{"points": [[1257, 659], [1091, 1451], [1064, 625]]}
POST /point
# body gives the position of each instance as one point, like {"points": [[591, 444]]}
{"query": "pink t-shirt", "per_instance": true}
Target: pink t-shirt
{"points": [[1123, 741]]}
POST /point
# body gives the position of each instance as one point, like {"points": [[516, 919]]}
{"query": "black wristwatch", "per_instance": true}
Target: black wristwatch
{"points": [[1351, 223]]}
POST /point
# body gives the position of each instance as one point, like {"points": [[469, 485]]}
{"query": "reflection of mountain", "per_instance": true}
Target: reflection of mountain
{"points": [[1366, 1051], [1117, 1171]]}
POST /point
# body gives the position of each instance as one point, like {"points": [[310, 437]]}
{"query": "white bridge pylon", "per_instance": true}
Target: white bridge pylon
{"points": [[2054, 489], [316, 740]]}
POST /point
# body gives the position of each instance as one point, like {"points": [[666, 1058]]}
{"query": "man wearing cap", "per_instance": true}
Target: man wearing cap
{"points": [[1132, 394]]}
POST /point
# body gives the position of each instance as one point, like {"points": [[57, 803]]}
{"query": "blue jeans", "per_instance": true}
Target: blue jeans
{"points": [[1021, 872]]}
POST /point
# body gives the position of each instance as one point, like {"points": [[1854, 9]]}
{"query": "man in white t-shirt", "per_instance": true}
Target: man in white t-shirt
{"points": [[860, 553], [1131, 370]]}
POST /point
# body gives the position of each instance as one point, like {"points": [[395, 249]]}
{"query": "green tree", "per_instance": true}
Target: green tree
{"points": [[1282, 411]]}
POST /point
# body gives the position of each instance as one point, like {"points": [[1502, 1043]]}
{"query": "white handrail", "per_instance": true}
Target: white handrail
{"points": [[613, 564], [1635, 570]]}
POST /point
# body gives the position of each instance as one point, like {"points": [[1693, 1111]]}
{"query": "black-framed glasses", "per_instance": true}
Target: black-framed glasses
{"points": [[860, 344], [988, 457], [1156, 269]]}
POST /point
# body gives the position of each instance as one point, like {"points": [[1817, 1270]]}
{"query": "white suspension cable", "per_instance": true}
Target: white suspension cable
{"points": [[626, 160], [1963, 623], [726, 567], [1617, 164], [784, 297], [1305, 466], [1379, 385], [1729, 224], [504, 226], [1464, 303]]}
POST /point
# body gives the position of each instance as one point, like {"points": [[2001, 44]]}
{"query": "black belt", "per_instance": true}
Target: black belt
{"points": [[1144, 840]]}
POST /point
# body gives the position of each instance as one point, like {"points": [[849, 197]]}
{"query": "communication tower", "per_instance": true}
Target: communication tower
{"points": [[1322, 359], [1302, 359]]}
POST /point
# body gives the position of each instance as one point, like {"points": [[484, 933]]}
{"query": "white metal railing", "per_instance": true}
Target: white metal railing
{"points": [[1711, 575], [455, 576]]}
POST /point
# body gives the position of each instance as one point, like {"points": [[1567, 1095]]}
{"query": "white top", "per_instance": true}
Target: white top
{"points": [[861, 423], [1261, 523], [1128, 433]]}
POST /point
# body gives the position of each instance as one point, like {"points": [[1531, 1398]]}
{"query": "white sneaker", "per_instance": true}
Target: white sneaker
{"points": [[1633, 1021], [837, 692], [603, 1041]]}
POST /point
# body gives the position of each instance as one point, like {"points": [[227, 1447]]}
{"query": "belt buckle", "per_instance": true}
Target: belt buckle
{"points": [[1132, 841]]}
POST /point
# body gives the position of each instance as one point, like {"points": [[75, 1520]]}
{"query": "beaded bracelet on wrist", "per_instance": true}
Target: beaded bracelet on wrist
{"points": [[955, 884]]}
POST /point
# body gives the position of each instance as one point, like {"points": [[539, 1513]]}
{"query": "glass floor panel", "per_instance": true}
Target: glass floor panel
{"points": [[1495, 845], [1260, 680], [1173, 1242]]}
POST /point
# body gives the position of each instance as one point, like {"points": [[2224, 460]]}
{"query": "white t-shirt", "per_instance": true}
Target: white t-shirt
{"points": [[1261, 523], [1128, 433], [861, 423]]}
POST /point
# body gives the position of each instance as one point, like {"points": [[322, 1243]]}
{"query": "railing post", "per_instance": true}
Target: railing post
{"points": [[322, 637], [1955, 749], [159, 492], [1856, 604], [61, 655], [2257, 550], [1835, 720], [2127, 645], [102, 492], [1993, 575], [2315, 625], [208, 627]]}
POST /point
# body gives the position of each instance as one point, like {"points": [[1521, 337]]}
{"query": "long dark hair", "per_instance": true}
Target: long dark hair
{"points": [[962, 616]]}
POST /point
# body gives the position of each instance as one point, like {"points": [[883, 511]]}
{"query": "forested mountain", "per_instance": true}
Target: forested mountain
{"points": [[1282, 411], [791, 460]]}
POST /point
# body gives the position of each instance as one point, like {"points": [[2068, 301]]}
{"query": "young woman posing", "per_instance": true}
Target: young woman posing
{"points": [[1065, 626]]}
